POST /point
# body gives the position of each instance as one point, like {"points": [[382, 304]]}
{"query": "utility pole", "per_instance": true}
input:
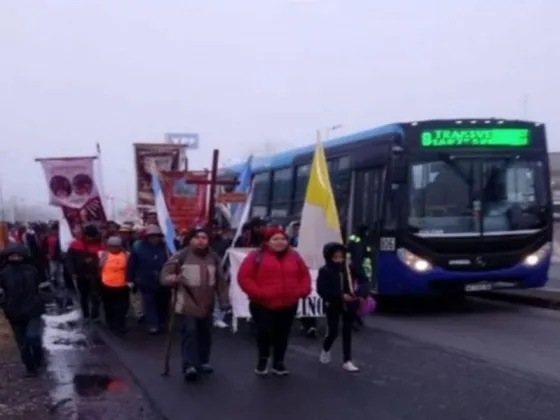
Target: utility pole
{"points": [[525, 106]]}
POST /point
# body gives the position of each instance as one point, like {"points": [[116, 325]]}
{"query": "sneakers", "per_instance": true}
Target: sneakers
{"points": [[206, 369], [262, 367], [220, 324], [190, 374], [325, 357], [349, 366], [278, 368], [311, 332]]}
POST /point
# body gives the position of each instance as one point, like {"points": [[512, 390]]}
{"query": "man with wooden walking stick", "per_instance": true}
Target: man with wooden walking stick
{"points": [[196, 273]]}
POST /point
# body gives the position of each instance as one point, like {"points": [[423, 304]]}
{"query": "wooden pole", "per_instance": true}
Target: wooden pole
{"points": [[213, 184]]}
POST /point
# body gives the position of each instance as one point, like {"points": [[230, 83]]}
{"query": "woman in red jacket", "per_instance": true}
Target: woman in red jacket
{"points": [[274, 277]]}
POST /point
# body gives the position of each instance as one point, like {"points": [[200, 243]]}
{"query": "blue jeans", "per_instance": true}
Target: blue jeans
{"points": [[28, 335], [156, 307], [218, 314], [196, 340]]}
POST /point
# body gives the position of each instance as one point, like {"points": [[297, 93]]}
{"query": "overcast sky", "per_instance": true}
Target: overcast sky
{"points": [[245, 72]]}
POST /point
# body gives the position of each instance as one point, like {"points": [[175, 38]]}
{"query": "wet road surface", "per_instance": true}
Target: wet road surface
{"points": [[554, 276], [87, 381], [515, 336], [482, 360]]}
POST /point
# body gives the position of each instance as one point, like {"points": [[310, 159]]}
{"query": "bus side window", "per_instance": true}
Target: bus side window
{"points": [[281, 193], [302, 177], [261, 194], [281, 185]]}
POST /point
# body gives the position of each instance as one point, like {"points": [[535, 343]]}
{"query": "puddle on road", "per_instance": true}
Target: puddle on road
{"points": [[68, 342], [94, 385]]}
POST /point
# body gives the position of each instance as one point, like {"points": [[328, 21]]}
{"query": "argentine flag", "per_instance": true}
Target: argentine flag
{"points": [[244, 185], [244, 214], [165, 223], [319, 216]]}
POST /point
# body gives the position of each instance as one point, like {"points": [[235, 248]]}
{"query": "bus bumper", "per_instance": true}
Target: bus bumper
{"points": [[395, 278]]}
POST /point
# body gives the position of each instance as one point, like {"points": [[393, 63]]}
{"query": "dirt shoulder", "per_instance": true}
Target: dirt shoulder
{"points": [[20, 398]]}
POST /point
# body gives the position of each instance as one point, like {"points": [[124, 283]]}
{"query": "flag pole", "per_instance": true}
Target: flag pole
{"points": [[101, 183]]}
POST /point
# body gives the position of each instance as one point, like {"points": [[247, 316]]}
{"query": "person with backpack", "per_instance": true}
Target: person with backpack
{"points": [[196, 274], [115, 292], [275, 278]]}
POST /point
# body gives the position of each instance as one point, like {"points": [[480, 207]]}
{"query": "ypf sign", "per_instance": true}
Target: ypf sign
{"points": [[189, 140]]}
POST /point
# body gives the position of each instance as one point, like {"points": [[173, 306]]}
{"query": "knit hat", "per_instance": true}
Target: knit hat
{"points": [[271, 231], [197, 230], [114, 241]]}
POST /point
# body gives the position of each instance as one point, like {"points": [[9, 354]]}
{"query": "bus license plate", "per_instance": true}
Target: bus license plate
{"points": [[478, 287]]}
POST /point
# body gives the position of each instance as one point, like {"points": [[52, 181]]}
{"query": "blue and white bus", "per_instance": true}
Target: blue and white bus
{"points": [[455, 206]]}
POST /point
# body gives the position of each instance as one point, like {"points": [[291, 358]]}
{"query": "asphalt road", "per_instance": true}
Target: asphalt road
{"points": [[554, 272], [481, 360], [554, 277]]}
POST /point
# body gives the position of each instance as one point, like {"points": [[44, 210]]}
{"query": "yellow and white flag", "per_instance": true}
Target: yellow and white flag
{"points": [[319, 217]]}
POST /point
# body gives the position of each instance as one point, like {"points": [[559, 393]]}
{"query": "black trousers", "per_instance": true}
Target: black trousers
{"points": [[89, 293], [334, 315], [272, 329], [28, 335], [116, 301]]}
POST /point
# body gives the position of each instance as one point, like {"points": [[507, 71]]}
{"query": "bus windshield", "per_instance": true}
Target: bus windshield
{"points": [[473, 196]]}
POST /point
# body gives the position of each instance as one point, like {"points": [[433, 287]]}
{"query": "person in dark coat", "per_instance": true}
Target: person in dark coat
{"points": [[335, 285], [258, 232], [244, 240], [144, 266], [22, 298]]}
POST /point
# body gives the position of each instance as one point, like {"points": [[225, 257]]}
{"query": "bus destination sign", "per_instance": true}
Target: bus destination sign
{"points": [[475, 137]]}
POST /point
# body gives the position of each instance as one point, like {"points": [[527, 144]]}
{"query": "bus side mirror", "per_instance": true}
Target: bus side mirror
{"points": [[399, 173]]}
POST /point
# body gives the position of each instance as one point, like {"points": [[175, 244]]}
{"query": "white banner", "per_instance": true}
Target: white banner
{"points": [[312, 306], [71, 181]]}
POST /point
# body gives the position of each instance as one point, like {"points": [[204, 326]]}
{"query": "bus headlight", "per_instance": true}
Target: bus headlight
{"points": [[536, 257], [413, 261]]}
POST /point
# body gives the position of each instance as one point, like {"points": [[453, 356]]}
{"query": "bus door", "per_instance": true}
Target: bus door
{"points": [[367, 207]]}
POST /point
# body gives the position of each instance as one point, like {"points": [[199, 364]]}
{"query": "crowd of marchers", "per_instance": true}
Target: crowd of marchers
{"points": [[125, 273]]}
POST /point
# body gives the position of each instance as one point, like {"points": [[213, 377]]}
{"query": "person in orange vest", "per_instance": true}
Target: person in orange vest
{"points": [[115, 290]]}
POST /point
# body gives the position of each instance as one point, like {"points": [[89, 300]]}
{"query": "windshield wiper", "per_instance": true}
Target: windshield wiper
{"points": [[457, 169]]}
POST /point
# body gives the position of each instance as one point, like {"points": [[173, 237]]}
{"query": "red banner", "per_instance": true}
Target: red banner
{"points": [[186, 202], [72, 187], [91, 214]]}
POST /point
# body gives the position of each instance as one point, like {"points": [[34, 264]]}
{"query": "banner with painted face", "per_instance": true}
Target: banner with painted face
{"points": [[164, 156], [70, 181], [72, 187]]}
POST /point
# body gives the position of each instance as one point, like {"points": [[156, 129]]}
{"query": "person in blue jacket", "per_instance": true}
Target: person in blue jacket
{"points": [[144, 266]]}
